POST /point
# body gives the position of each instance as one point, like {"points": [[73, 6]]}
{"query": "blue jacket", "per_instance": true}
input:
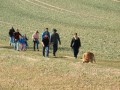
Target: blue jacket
{"points": [[45, 33], [22, 40]]}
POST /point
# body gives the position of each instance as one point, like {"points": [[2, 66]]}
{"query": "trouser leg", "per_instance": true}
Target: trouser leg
{"points": [[26, 44], [37, 46], [44, 51], [17, 45], [55, 47], [12, 40], [47, 51], [34, 45], [76, 51]]}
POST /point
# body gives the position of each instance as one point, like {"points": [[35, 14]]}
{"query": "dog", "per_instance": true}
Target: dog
{"points": [[88, 57]]}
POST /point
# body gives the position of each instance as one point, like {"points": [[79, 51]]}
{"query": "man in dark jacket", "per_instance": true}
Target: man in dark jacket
{"points": [[45, 44], [11, 35], [75, 44], [16, 39], [54, 40]]}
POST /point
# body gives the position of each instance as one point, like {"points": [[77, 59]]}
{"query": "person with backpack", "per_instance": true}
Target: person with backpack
{"points": [[75, 44], [54, 41], [35, 38], [16, 39], [46, 32], [45, 44], [11, 35]]}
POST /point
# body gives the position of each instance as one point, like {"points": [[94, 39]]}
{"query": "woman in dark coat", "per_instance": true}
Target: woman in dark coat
{"points": [[75, 44]]}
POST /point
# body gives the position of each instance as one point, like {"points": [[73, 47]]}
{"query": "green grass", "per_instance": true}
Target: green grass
{"points": [[96, 22]]}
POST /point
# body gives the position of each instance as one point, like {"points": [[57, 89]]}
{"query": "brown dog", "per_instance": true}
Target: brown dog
{"points": [[88, 57]]}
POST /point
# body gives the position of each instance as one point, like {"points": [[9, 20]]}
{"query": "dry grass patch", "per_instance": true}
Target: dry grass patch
{"points": [[81, 77], [38, 73]]}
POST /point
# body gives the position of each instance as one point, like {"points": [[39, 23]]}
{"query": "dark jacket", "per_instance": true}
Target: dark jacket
{"points": [[26, 39], [55, 38], [75, 43], [11, 32], [45, 41], [16, 35]]}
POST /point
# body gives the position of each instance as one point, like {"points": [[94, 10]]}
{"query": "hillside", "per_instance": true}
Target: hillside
{"points": [[97, 22]]}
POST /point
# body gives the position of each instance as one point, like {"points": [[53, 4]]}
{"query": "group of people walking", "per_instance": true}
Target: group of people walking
{"points": [[17, 40], [47, 39]]}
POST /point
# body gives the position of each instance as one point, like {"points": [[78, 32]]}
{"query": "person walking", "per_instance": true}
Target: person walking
{"points": [[22, 43], [45, 44], [75, 44], [35, 38], [26, 43], [11, 35], [54, 41], [16, 39]]}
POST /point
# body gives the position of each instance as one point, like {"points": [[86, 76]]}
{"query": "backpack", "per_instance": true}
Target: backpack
{"points": [[45, 33]]}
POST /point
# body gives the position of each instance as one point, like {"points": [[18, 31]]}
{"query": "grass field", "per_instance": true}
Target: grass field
{"points": [[97, 22]]}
